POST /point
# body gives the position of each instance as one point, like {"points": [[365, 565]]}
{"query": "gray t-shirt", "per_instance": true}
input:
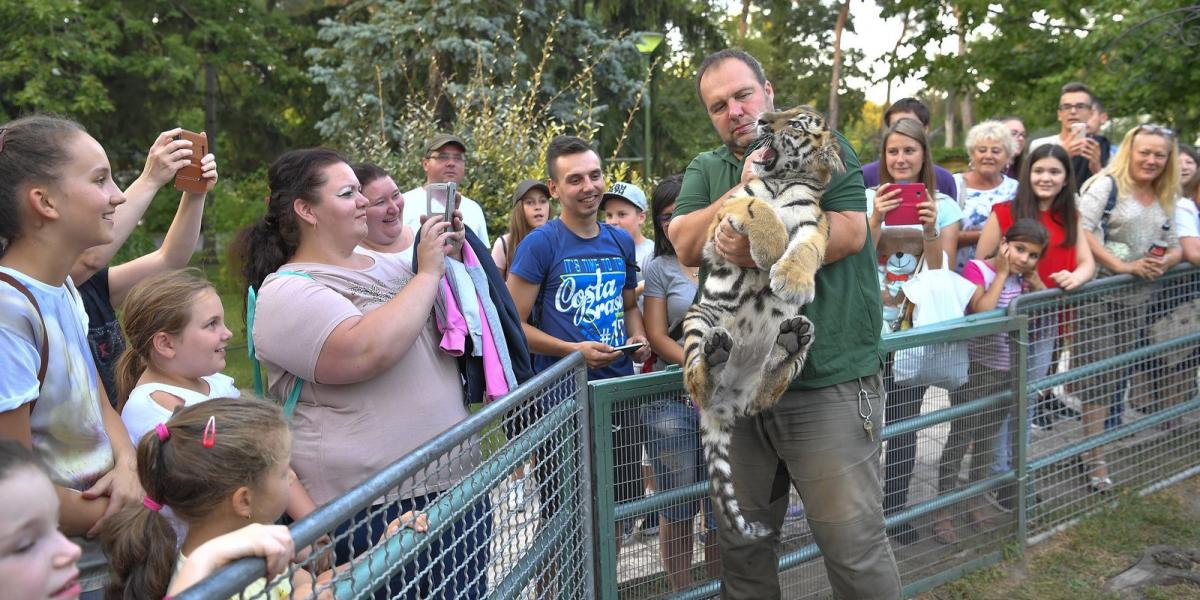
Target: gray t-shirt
{"points": [[666, 279], [342, 434]]}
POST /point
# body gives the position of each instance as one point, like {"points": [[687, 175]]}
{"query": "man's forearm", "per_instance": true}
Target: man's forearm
{"points": [[688, 233], [847, 234], [545, 344]]}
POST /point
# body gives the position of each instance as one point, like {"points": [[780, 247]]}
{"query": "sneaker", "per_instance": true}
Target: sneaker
{"points": [[627, 532], [1002, 500]]}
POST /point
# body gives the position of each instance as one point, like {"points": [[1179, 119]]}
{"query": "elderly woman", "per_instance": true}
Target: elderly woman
{"points": [[1142, 182], [352, 330], [991, 148]]}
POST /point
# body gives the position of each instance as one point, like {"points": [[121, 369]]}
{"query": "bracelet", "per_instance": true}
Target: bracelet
{"points": [[936, 234]]}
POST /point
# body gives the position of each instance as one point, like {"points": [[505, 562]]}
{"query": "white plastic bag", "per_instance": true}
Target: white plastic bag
{"points": [[937, 295]]}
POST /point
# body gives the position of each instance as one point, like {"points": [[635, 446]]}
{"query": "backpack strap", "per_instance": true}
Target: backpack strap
{"points": [[289, 405], [46, 335], [1108, 206]]}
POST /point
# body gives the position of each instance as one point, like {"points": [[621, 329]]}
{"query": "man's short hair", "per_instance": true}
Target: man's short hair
{"points": [[1076, 86], [907, 105], [564, 145], [721, 55], [1097, 105]]}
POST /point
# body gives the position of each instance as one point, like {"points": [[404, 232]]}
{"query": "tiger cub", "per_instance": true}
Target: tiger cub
{"points": [[745, 340]]}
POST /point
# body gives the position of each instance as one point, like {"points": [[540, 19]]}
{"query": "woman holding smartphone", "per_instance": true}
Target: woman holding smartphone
{"points": [[900, 246]]}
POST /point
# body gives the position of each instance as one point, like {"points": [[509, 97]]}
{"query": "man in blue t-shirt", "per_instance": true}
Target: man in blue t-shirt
{"points": [[577, 277]]}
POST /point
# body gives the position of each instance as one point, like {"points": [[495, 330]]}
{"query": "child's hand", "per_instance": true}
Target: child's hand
{"points": [[271, 542], [416, 521], [1001, 261], [122, 487], [320, 552], [1034, 282]]}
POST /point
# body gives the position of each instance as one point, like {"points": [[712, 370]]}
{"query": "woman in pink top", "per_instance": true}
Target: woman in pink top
{"points": [[354, 330]]}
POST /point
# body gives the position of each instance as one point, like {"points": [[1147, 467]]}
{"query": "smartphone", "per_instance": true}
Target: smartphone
{"points": [[190, 178], [1078, 131], [911, 194], [445, 194], [628, 348]]}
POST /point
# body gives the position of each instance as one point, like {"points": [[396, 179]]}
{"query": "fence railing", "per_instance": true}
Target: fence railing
{"points": [[485, 538], [1000, 445]]}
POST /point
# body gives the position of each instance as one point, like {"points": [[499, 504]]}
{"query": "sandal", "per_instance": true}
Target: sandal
{"points": [[943, 531], [1098, 484]]}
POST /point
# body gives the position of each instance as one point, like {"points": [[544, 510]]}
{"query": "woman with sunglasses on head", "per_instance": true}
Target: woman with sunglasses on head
{"points": [[1133, 237]]}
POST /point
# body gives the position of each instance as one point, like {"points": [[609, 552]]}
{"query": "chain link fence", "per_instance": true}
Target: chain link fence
{"points": [[506, 495], [1002, 428]]}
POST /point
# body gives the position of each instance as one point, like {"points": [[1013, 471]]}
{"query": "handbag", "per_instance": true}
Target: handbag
{"points": [[941, 294]]}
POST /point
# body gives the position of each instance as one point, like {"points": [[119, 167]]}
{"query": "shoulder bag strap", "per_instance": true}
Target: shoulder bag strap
{"points": [[289, 405], [45, 353], [1108, 206]]}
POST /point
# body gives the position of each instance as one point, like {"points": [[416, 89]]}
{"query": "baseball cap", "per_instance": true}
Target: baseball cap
{"points": [[442, 139], [627, 192], [526, 185]]}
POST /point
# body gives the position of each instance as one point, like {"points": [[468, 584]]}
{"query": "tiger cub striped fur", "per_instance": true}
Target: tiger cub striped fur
{"points": [[745, 340]]}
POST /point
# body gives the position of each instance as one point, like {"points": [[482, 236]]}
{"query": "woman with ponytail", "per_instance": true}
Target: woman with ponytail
{"points": [[353, 331]]}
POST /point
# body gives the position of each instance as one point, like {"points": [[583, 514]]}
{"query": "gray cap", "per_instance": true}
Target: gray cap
{"points": [[442, 139], [526, 185], [627, 192]]}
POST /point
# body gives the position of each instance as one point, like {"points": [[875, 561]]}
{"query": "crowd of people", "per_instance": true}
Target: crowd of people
{"points": [[378, 321]]}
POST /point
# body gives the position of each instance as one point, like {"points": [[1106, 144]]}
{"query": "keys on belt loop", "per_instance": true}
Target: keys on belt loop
{"points": [[865, 398]]}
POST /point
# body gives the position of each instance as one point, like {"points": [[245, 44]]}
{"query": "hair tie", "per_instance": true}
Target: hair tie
{"points": [[149, 503], [164, 434]]}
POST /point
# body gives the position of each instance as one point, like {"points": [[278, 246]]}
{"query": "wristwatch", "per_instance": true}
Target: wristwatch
{"points": [[929, 238]]}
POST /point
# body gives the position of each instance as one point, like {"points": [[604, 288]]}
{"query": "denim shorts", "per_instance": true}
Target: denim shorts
{"points": [[673, 446]]}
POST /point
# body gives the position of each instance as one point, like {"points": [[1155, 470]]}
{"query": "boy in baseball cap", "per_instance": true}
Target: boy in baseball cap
{"points": [[624, 206]]}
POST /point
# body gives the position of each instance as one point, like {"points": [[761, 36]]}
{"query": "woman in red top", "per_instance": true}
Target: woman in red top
{"points": [[1043, 194]]}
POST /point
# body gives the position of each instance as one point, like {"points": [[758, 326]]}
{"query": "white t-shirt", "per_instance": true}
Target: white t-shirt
{"points": [[1187, 218], [642, 253], [141, 413], [66, 424], [472, 213]]}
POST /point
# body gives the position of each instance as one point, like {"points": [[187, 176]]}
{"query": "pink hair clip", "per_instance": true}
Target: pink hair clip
{"points": [[210, 432], [149, 503], [164, 434]]}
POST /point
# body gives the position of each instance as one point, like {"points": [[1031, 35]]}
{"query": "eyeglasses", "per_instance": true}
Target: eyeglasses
{"points": [[1079, 106], [1156, 130], [449, 156], [1017, 134], [664, 218]]}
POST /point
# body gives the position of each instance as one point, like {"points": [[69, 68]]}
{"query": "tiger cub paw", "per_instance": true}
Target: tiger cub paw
{"points": [[792, 282], [795, 335], [717, 346]]}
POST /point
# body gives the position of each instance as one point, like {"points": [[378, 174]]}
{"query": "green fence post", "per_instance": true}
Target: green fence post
{"points": [[600, 401], [1024, 486]]}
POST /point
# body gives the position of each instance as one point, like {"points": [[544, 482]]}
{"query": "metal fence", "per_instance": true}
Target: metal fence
{"points": [[996, 437], [491, 532]]}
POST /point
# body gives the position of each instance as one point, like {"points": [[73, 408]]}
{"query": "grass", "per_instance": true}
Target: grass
{"points": [[1077, 562]]}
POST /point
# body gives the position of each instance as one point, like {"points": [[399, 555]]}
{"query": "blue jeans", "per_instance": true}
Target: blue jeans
{"points": [[673, 445], [453, 566]]}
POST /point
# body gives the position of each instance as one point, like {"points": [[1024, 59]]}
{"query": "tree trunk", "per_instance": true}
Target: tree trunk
{"points": [[743, 21], [210, 105], [836, 82], [968, 113], [949, 119]]}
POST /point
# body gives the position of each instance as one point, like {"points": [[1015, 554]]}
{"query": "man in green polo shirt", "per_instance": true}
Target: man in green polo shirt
{"points": [[817, 437]]}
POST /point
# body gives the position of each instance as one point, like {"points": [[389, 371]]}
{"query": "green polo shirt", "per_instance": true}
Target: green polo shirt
{"points": [[846, 312]]}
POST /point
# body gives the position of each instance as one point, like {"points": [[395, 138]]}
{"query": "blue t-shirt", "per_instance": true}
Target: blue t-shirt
{"points": [[581, 283]]}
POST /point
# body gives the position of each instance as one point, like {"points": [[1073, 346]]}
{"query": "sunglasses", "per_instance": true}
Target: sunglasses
{"points": [[1156, 130]]}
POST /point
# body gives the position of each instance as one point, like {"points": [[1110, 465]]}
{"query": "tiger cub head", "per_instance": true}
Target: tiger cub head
{"points": [[798, 142]]}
